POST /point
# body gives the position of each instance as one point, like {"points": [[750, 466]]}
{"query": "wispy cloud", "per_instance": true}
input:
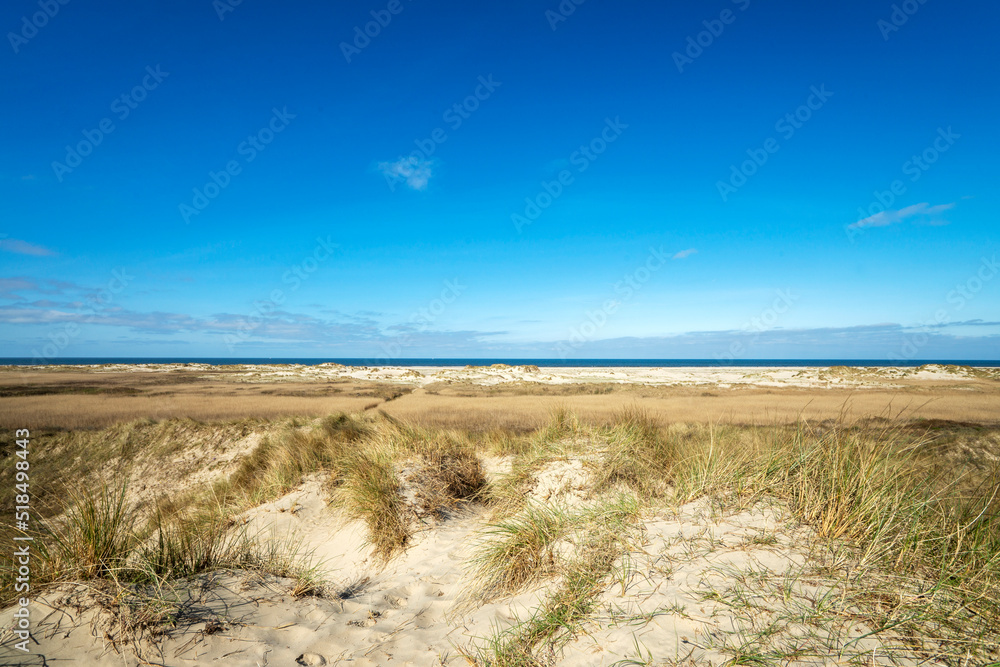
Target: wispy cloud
{"points": [[364, 333], [415, 173], [922, 212], [966, 323], [275, 327], [876, 341], [686, 253], [24, 248], [8, 286], [354, 335], [47, 286]]}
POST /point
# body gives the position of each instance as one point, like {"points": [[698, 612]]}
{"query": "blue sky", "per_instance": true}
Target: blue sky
{"points": [[726, 179]]}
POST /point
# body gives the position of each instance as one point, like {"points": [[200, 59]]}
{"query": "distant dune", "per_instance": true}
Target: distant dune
{"points": [[486, 397]]}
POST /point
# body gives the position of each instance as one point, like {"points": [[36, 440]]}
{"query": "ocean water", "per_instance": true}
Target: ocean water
{"points": [[551, 363]]}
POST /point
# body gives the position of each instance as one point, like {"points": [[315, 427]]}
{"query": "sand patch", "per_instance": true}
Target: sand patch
{"points": [[697, 584], [564, 482]]}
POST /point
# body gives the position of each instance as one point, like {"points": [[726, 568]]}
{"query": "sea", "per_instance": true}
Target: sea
{"points": [[547, 363]]}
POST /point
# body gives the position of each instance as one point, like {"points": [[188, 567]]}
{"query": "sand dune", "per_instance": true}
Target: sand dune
{"points": [[673, 595], [658, 532], [720, 375]]}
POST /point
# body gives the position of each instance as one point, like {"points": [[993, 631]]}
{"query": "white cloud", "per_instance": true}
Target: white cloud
{"points": [[416, 173], [685, 253], [23, 247], [923, 212]]}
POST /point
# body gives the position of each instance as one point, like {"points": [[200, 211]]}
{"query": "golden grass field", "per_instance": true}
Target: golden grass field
{"points": [[75, 399], [82, 400]]}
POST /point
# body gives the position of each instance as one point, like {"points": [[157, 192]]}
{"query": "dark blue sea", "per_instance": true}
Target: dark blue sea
{"points": [[551, 363]]}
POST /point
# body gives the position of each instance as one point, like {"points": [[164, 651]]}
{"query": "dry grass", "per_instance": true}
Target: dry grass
{"points": [[364, 456], [875, 486], [913, 503], [91, 530], [94, 539], [518, 551], [369, 491], [443, 473], [74, 412], [736, 406], [912, 521], [145, 450], [86, 399], [101, 537], [82, 399], [441, 470], [638, 454], [455, 469], [603, 534], [281, 460]]}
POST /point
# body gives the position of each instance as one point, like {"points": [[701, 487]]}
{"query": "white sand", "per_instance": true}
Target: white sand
{"points": [[721, 376], [672, 598]]}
